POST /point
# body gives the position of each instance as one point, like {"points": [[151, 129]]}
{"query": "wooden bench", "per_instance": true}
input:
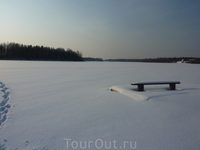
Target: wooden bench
{"points": [[172, 84]]}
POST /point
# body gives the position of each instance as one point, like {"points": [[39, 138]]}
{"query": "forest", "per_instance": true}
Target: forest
{"points": [[16, 51]]}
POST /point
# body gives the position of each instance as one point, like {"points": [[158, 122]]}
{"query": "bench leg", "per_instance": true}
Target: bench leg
{"points": [[172, 86], [140, 87]]}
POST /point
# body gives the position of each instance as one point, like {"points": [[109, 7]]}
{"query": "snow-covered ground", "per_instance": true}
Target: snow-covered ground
{"points": [[69, 105]]}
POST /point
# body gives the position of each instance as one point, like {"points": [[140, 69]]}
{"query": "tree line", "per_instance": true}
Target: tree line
{"points": [[161, 60], [173, 59], [16, 51], [92, 59]]}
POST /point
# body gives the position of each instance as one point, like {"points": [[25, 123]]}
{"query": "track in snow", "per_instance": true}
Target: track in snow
{"points": [[4, 106]]}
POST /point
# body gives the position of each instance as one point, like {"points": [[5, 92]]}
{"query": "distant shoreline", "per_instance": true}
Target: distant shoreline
{"points": [[192, 60], [161, 60]]}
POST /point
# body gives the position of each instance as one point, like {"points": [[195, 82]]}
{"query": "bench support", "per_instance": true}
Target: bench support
{"points": [[172, 86], [141, 87]]}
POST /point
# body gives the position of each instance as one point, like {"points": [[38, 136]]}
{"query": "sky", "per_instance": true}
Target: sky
{"points": [[107, 29]]}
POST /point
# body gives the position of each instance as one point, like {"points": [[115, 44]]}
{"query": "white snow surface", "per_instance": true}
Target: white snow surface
{"points": [[69, 105]]}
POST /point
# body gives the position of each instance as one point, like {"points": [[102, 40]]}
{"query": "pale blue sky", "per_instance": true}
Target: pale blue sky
{"points": [[105, 28]]}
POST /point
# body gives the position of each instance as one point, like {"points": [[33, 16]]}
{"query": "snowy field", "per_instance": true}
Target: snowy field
{"points": [[69, 105]]}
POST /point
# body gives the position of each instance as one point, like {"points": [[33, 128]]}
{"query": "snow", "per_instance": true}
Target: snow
{"points": [[69, 105]]}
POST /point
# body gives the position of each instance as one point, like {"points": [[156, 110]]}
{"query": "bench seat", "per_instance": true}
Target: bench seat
{"points": [[172, 84]]}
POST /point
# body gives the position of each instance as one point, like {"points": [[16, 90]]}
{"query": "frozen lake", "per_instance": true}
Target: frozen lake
{"points": [[69, 105]]}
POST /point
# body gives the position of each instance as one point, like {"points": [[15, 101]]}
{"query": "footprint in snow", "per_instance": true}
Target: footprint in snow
{"points": [[4, 107]]}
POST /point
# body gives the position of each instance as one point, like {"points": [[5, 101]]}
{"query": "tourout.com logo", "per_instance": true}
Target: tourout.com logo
{"points": [[99, 144]]}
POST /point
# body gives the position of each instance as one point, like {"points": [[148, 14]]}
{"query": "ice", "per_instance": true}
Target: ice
{"points": [[58, 105]]}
